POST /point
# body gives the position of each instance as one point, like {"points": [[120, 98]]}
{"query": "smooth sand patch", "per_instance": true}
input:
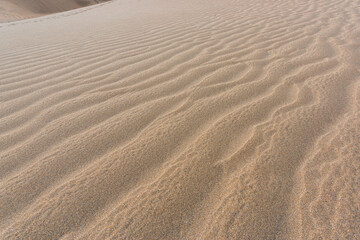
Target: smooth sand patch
{"points": [[11, 10]]}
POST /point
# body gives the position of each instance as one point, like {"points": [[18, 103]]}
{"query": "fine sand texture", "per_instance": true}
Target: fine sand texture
{"points": [[182, 119], [11, 10]]}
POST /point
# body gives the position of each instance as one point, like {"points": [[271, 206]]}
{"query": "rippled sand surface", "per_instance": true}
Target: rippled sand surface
{"points": [[191, 119]]}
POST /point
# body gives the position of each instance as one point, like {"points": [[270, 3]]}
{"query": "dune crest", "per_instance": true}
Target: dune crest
{"points": [[11, 10], [168, 119]]}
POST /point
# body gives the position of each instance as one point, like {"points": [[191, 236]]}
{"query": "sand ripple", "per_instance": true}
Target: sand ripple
{"points": [[182, 120]]}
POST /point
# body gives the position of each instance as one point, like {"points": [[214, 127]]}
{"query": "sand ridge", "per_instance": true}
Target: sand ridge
{"points": [[11, 10], [182, 120]]}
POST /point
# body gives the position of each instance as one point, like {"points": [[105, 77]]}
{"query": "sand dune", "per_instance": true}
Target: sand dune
{"points": [[20, 9], [167, 119]]}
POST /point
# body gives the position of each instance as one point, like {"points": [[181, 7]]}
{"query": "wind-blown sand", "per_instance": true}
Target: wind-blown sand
{"points": [[191, 119], [20, 9]]}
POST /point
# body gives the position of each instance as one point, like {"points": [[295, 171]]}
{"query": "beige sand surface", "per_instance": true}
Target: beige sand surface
{"points": [[11, 10], [182, 119]]}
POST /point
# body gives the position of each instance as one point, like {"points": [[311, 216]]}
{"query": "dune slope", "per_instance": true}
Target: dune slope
{"points": [[11, 10], [167, 119]]}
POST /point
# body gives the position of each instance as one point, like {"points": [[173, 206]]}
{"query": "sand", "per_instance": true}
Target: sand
{"points": [[11, 10], [191, 119]]}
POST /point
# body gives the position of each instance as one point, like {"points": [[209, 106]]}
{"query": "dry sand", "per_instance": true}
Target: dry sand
{"points": [[182, 119], [11, 10]]}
